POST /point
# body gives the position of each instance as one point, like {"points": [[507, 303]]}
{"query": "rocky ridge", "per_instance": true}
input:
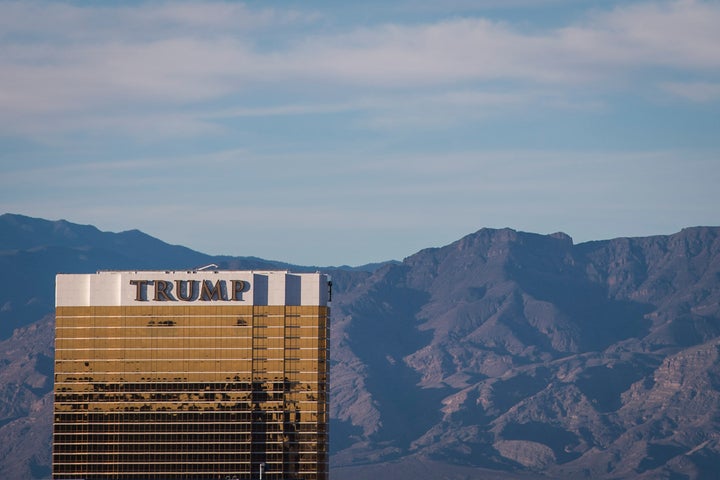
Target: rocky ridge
{"points": [[522, 352], [502, 355]]}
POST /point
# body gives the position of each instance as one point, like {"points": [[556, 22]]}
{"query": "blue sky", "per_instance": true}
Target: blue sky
{"points": [[331, 133]]}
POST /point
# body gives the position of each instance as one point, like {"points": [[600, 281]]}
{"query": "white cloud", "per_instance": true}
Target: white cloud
{"points": [[695, 91], [91, 61], [67, 23], [676, 34], [681, 35]]}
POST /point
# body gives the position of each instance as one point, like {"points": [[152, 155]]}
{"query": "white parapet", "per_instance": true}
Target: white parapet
{"points": [[231, 287]]}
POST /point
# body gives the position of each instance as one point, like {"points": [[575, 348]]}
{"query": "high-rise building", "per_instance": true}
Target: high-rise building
{"points": [[191, 375]]}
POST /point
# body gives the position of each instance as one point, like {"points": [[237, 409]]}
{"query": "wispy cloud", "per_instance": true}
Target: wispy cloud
{"points": [[680, 35], [696, 91], [36, 20], [87, 61], [393, 203]]}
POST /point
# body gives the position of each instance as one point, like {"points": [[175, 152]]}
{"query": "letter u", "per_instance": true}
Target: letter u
{"points": [[189, 293]]}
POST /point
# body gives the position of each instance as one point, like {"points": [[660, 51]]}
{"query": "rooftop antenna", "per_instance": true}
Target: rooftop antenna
{"points": [[206, 267]]}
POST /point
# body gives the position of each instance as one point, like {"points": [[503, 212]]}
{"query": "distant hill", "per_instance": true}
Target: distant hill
{"points": [[502, 355], [33, 250]]}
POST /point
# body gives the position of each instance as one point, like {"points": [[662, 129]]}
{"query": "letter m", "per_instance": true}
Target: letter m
{"points": [[210, 291]]}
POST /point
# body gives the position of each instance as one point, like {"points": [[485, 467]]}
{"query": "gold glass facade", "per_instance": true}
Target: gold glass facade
{"points": [[191, 392]]}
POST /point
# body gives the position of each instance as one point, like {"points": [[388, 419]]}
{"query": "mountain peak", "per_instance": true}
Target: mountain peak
{"points": [[511, 351]]}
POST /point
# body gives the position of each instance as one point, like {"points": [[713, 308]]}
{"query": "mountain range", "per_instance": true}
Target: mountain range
{"points": [[505, 354]]}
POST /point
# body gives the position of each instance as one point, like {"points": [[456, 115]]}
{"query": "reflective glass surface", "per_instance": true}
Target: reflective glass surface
{"points": [[191, 392]]}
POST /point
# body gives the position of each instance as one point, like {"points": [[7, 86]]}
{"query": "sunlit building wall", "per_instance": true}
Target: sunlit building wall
{"points": [[191, 375]]}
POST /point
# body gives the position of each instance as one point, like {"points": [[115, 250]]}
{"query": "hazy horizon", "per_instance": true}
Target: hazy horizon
{"points": [[325, 134]]}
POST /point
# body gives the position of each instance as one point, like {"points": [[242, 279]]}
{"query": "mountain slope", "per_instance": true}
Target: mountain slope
{"points": [[33, 250], [510, 350], [502, 355]]}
